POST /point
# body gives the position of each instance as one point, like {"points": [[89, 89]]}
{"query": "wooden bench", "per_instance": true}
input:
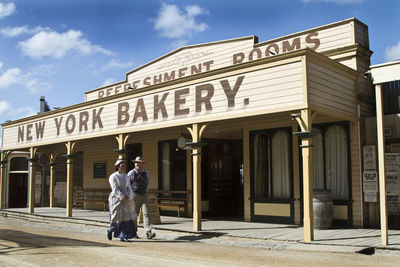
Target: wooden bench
{"points": [[92, 195], [173, 199]]}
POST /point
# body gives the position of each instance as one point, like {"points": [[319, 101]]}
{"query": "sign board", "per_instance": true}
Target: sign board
{"points": [[154, 212], [99, 170], [369, 158], [370, 186], [392, 162]]}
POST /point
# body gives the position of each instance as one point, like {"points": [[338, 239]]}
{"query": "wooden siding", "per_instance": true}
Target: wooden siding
{"points": [[329, 88], [268, 90], [355, 157], [221, 54]]}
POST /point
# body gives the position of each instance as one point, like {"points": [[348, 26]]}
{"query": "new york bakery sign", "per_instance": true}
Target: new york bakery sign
{"points": [[181, 105]]}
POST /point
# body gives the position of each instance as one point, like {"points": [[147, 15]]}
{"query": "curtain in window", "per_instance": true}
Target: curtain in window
{"points": [[166, 166], [337, 162], [260, 165], [317, 160], [280, 165]]}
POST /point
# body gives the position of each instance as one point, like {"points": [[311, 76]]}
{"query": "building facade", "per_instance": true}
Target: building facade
{"points": [[264, 123]]}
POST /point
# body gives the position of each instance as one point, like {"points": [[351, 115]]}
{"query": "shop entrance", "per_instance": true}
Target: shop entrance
{"points": [[222, 180], [18, 190]]}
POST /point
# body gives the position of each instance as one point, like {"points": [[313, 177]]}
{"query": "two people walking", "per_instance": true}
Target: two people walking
{"points": [[128, 195]]}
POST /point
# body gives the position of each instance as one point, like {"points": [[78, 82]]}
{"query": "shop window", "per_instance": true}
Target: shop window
{"points": [[172, 166], [271, 164], [331, 160]]}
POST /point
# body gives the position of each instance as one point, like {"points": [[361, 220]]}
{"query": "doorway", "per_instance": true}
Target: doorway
{"points": [[222, 181], [18, 190]]}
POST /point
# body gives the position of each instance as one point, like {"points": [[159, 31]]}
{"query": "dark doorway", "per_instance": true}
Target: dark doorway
{"points": [[222, 182], [18, 190]]}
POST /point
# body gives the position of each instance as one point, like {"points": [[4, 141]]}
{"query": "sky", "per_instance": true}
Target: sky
{"points": [[60, 49]]}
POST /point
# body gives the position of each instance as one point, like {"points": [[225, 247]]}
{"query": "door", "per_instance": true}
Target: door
{"points": [[18, 190]]}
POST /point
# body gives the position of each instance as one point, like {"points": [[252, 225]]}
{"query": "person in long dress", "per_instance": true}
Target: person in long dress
{"points": [[121, 207]]}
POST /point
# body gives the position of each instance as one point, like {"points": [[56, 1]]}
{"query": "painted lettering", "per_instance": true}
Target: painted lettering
{"points": [[256, 51], [268, 51], [238, 58], [311, 39], [169, 77], [58, 124], [29, 132], [123, 114], [208, 64], [206, 99], [140, 111], [39, 129], [180, 100], [147, 81], [182, 72], [97, 119], [286, 46], [21, 134], [229, 92], [160, 106], [83, 120], [70, 124]]}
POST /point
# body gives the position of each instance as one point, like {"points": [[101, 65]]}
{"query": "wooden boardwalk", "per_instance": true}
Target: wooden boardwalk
{"points": [[275, 232]]}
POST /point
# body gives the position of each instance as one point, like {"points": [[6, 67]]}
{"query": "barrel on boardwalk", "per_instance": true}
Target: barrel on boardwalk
{"points": [[323, 209]]}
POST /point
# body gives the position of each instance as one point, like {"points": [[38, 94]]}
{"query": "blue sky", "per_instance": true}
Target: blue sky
{"points": [[61, 48]]}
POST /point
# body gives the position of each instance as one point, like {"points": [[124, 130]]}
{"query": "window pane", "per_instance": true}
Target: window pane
{"points": [[19, 164], [281, 165], [337, 162], [260, 144]]}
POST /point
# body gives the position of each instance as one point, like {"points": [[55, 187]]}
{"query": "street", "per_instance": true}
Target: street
{"points": [[24, 243]]}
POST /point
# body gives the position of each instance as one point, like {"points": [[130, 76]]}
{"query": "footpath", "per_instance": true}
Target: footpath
{"points": [[221, 232]]}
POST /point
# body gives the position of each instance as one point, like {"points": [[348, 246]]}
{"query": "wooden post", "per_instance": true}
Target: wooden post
{"points": [[52, 179], [32, 156], [381, 163], [196, 152], [122, 140], [70, 177], [305, 122], [3, 166]]}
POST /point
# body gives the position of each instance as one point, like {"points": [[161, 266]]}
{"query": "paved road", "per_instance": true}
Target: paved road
{"points": [[24, 243]]}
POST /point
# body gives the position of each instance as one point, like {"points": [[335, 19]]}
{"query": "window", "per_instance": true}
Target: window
{"points": [[271, 164], [19, 164], [172, 166], [331, 161]]}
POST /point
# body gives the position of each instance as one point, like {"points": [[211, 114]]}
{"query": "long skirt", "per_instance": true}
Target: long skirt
{"points": [[122, 217]]}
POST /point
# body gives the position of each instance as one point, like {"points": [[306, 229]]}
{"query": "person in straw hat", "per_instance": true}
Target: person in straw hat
{"points": [[139, 179], [121, 206]]}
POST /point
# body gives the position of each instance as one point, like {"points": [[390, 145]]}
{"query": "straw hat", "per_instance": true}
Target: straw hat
{"points": [[138, 159], [119, 161]]}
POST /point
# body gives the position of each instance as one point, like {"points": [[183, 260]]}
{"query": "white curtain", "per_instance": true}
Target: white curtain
{"points": [[280, 165], [317, 160], [337, 162], [166, 166]]}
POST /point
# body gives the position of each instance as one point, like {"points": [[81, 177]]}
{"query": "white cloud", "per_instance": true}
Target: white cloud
{"points": [[29, 80], [10, 77], [6, 9], [345, 2], [56, 45], [175, 23], [393, 52], [11, 113], [1, 65], [108, 81], [19, 30], [4, 106], [116, 64]]}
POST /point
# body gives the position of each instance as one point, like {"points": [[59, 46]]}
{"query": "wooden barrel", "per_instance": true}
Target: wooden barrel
{"points": [[323, 209]]}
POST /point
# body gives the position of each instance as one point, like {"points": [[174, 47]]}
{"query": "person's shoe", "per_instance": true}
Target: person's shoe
{"points": [[150, 235], [124, 239], [109, 235]]}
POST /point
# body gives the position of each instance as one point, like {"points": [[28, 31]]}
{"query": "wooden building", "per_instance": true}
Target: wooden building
{"points": [[248, 128]]}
